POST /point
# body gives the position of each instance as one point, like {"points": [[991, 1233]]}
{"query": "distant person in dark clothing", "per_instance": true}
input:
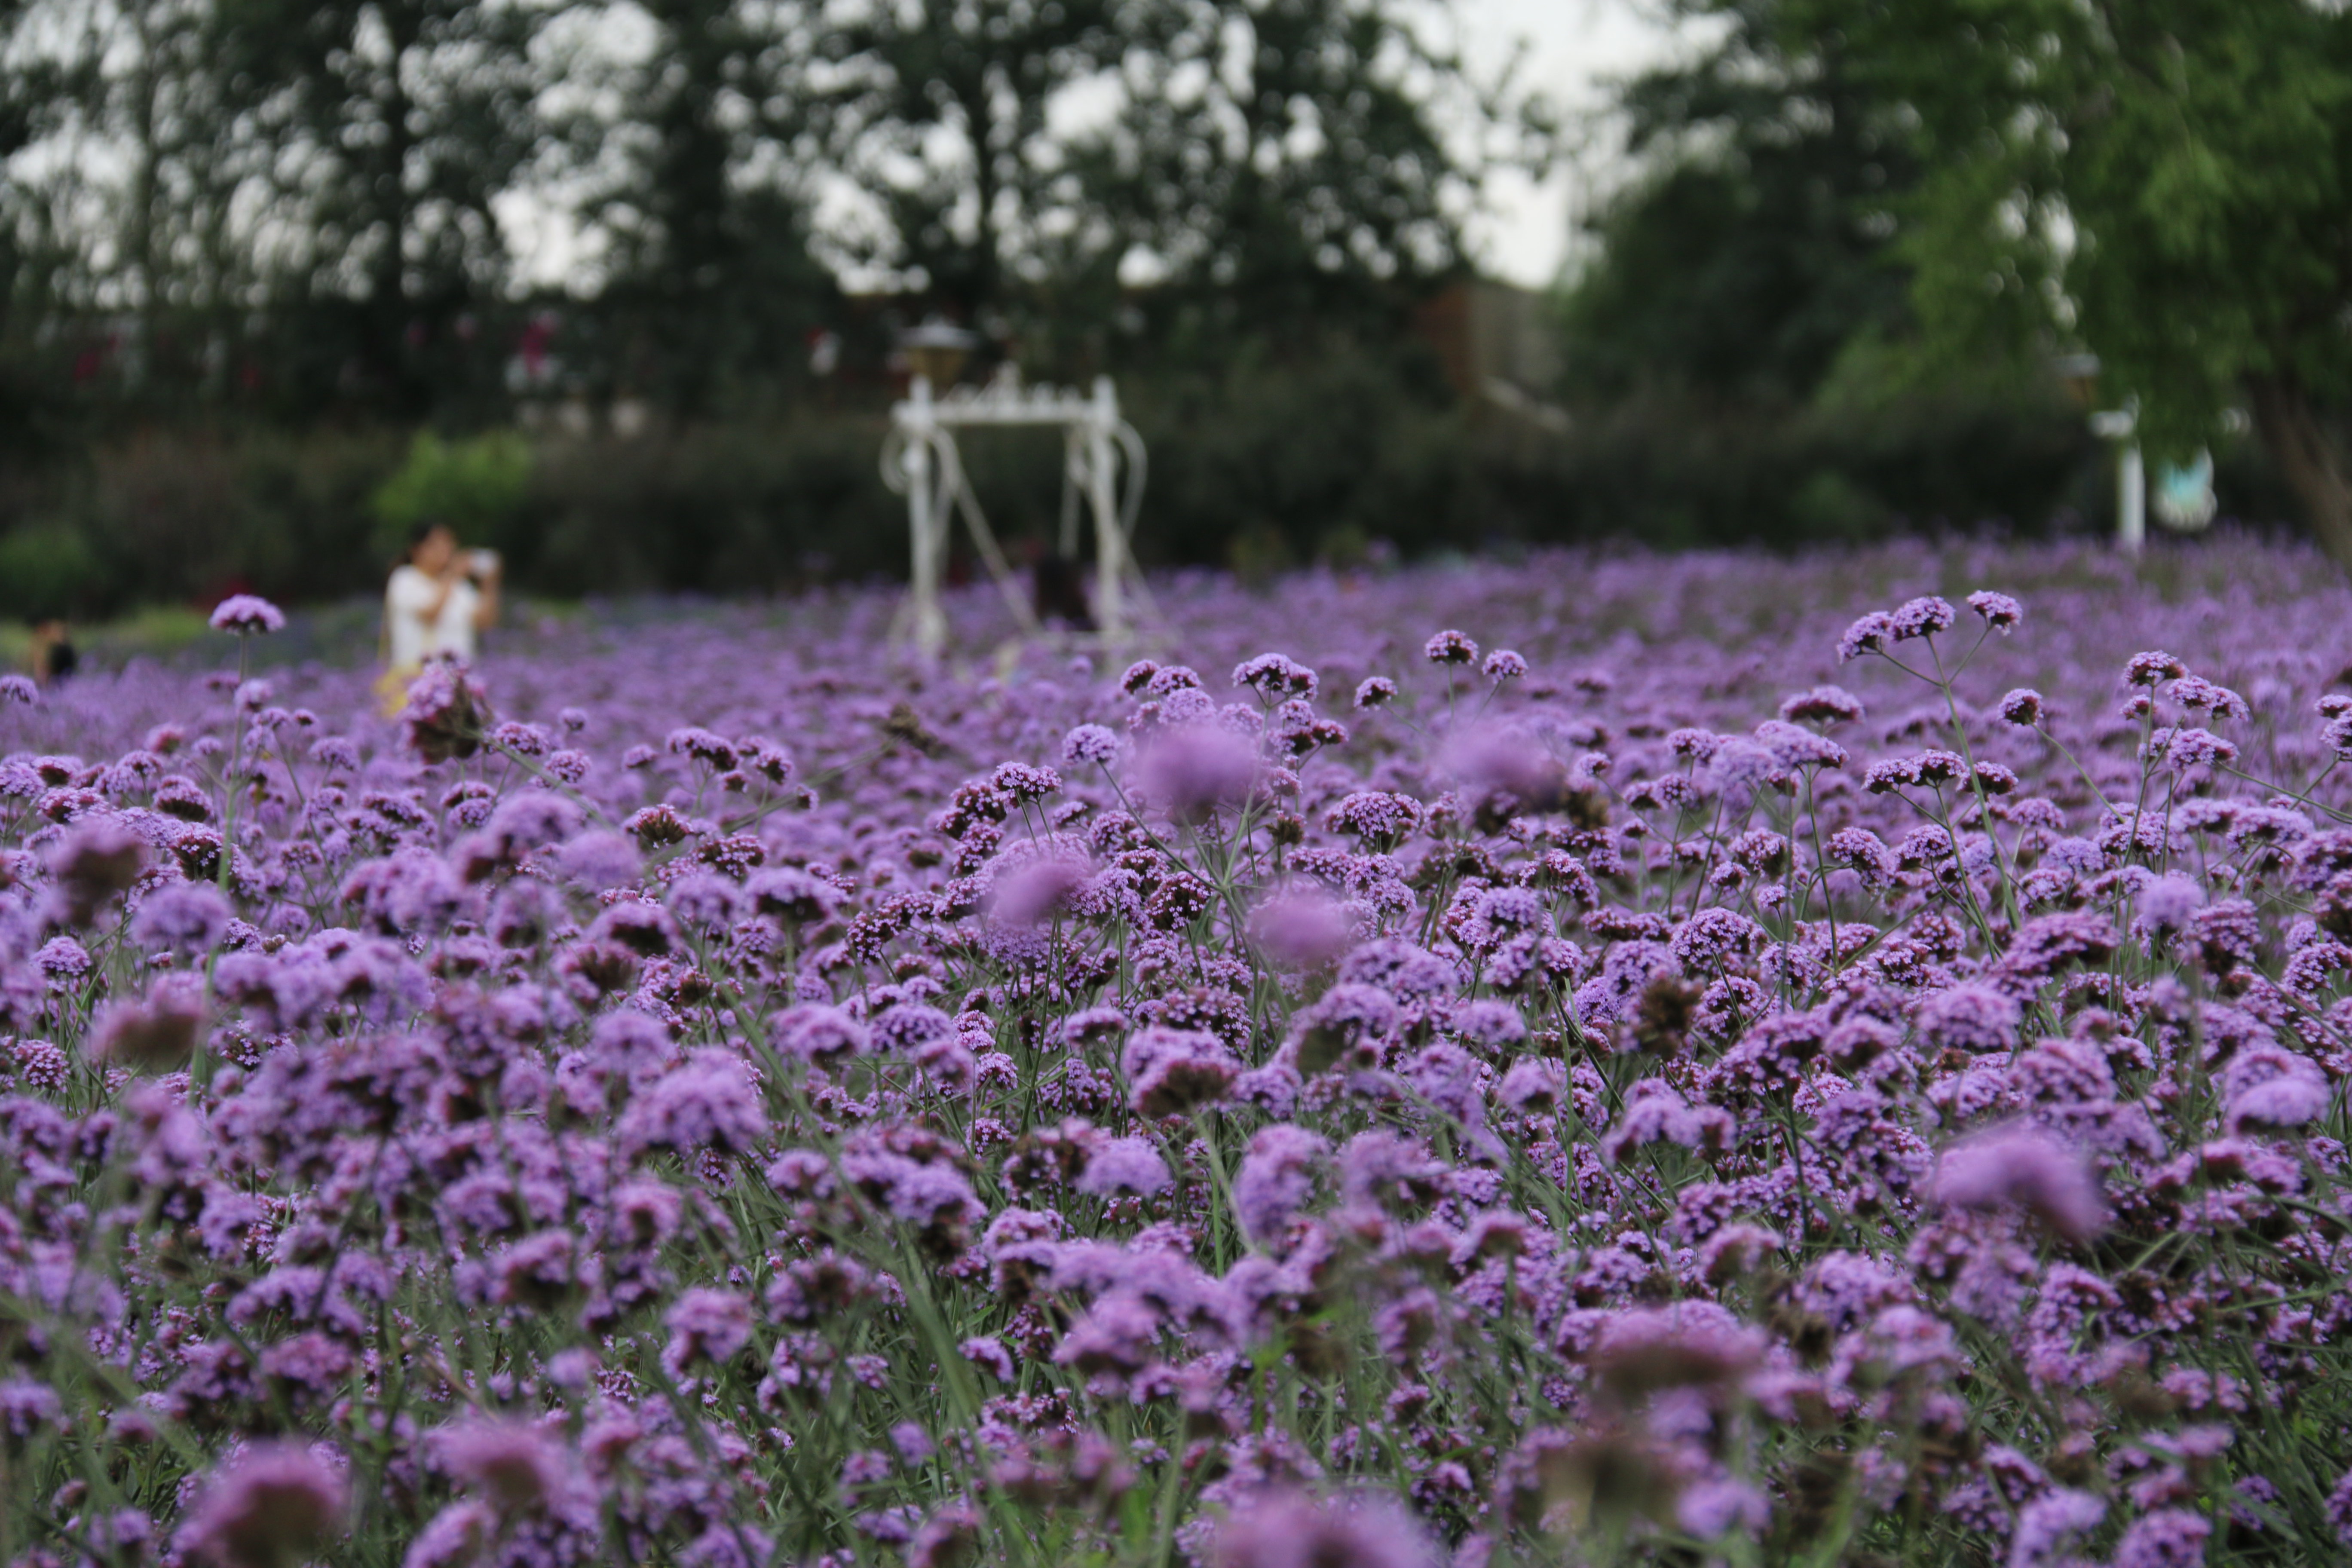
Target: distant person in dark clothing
{"points": [[54, 658], [1061, 593]]}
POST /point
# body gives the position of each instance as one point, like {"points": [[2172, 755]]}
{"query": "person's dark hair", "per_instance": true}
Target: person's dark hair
{"points": [[423, 531]]}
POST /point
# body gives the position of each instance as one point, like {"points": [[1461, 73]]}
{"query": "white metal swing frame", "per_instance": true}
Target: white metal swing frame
{"points": [[921, 461]]}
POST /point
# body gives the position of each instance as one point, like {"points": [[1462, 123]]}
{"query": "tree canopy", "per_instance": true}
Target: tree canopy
{"points": [[2167, 184], [1753, 248], [330, 203]]}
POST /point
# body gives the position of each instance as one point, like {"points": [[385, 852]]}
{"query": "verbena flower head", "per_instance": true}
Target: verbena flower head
{"points": [[1089, 745], [706, 1324], [1923, 618], [1195, 771], [1124, 1165], [1495, 760], [272, 1506], [2017, 1168], [1504, 664], [1276, 1178], [447, 712], [1822, 705], [247, 615], [1170, 1071], [607, 1137], [2167, 904], [515, 1466], [1275, 676], [98, 858], [1287, 1528], [1998, 611], [1870, 633], [2169, 1538], [155, 1034], [1450, 648]]}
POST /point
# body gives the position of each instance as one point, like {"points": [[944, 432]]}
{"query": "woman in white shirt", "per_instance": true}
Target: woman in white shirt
{"points": [[437, 602]]}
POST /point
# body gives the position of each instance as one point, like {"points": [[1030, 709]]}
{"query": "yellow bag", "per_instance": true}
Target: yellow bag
{"points": [[392, 690], [392, 686]]}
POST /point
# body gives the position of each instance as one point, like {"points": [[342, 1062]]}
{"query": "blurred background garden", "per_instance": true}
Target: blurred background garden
{"points": [[620, 288]]}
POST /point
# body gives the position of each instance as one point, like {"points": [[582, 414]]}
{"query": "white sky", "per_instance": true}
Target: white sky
{"points": [[1576, 45]]}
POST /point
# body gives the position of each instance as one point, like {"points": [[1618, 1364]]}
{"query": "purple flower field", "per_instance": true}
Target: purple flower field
{"points": [[1598, 1059]]}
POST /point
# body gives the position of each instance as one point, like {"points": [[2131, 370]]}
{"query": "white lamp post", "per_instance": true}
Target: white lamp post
{"points": [[2122, 425]]}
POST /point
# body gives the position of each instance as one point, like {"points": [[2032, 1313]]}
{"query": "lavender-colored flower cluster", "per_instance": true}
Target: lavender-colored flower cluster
{"points": [[1685, 1086]]}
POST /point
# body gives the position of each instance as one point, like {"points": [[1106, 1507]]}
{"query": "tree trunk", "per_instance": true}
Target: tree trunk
{"points": [[2310, 456]]}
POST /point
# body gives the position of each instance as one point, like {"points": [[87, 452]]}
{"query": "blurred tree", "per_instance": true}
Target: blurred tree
{"points": [[1740, 342], [37, 104], [17, 112], [1280, 165], [388, 130], [143, 85], [711, 285], [2168, 183], [940, 110], [1755, 247]]}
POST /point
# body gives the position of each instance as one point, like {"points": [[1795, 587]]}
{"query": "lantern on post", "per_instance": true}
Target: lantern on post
{"points": [[935, 351]]}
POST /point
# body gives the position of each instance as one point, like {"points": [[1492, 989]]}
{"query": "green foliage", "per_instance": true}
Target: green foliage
{"points": [[1282, 462], [1754, 249], [46, 570], [1741, 352], [475, 486], [183, 516], [2169, 183]]}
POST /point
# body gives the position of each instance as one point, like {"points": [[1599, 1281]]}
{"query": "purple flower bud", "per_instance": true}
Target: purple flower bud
{"points": [[188, 918], [516, 1466], [1192, 772], [2018, 1168], [1450, 648], [272, 1506], [100, 858], [1291, 1530], [1999, 611], [1124, 1165]]}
